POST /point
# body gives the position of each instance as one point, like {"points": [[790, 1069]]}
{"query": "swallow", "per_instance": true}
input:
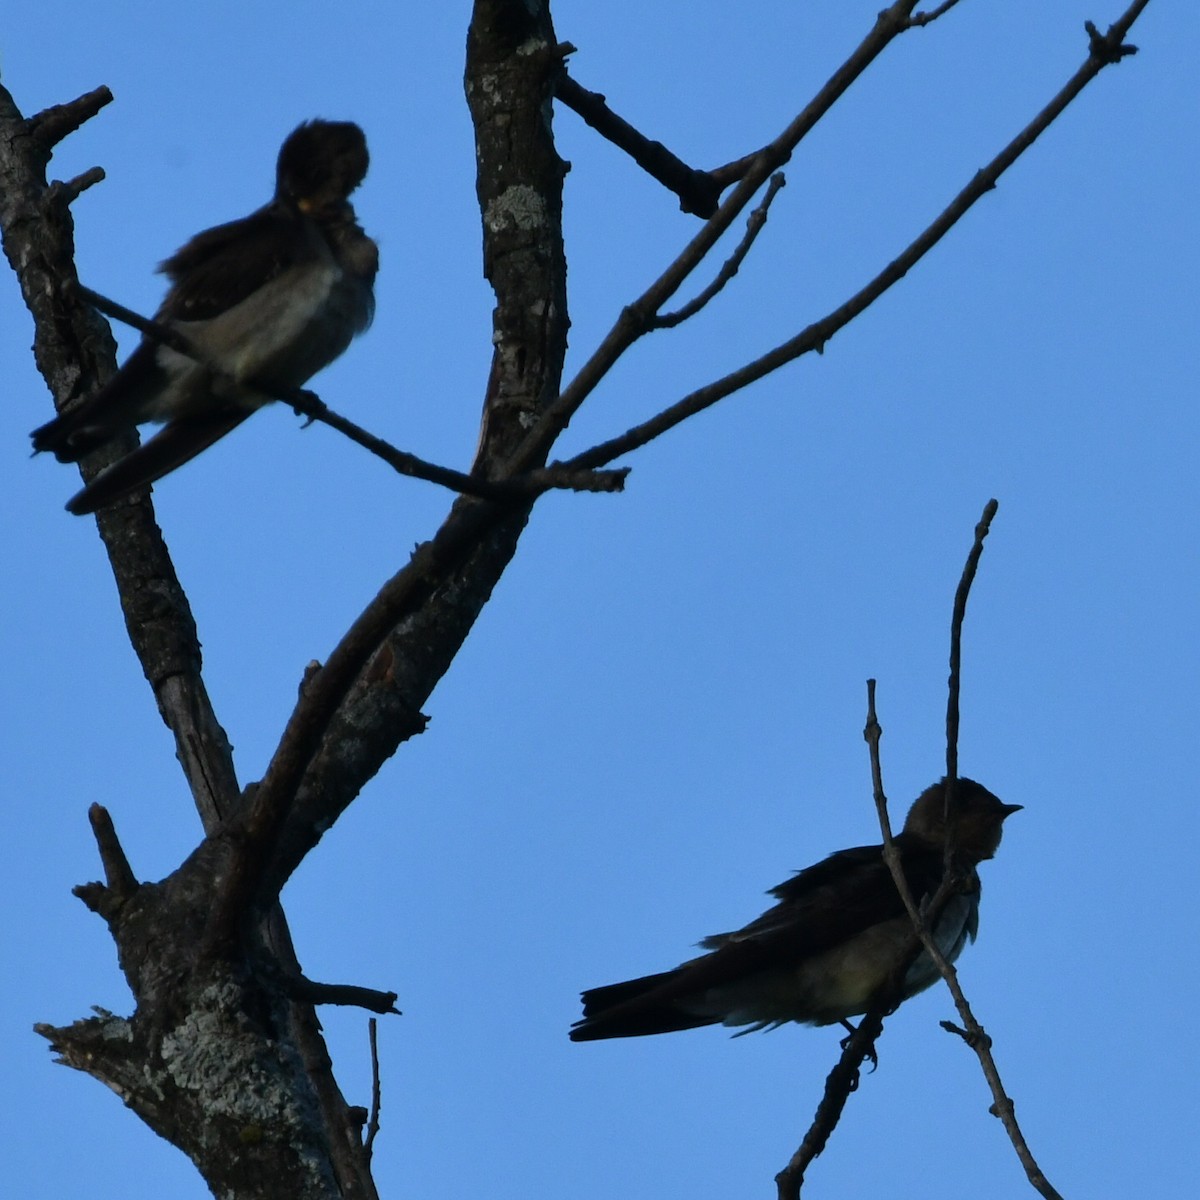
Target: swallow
{"points": [[821, 954], [269, 300]]}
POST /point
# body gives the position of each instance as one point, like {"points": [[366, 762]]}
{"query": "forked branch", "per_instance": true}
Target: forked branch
{"points": [[843, 1079], [971, 1031], [1103, 51]]}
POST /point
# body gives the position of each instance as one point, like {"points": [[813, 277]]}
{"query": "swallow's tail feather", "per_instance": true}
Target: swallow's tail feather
{"points": [[175, 444], [635, 1008]]}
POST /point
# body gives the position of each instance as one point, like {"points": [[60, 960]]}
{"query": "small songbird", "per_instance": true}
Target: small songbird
{"points": [[822, 953], [269, 300]]}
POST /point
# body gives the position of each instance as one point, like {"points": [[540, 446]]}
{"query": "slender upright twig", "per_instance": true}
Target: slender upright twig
{"points": [[376, 1089]]}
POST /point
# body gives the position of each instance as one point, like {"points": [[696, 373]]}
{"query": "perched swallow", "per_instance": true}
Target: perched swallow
{"points": [[269, 299], [822, 953]]}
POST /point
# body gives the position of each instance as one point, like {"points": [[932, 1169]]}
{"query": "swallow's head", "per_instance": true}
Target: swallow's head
{"points": [[976, 815], [320, 164]]}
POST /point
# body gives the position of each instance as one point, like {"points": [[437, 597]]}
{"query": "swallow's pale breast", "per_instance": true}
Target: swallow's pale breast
{"points": [[269, 299]]}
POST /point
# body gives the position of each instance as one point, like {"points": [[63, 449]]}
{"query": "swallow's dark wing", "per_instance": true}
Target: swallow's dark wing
{"points": [[177, 442], [819, 908], [833, 900], [823, 906], [223, 265]]}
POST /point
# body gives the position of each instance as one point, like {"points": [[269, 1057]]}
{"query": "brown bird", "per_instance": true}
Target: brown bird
{"points": [[269, 299], [822, 953]]}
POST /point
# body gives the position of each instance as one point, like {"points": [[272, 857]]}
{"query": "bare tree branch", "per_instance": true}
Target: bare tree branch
{"points": [[76, 355], [956, 623], [754, 226], [698, 192], [121, 885], [972, 1031], [1103, 51], [843, 1079], [839, 1084], [399, 599], [310, 405], [731, 172]]}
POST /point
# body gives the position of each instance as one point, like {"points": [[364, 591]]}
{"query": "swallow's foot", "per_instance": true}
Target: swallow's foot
{"points": [[311, 408], [870, 1056]]}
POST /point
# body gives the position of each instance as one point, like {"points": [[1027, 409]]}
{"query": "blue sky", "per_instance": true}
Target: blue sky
{"points": [[659, 715]]}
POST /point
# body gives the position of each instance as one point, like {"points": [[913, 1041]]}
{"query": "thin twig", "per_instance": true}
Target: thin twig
{"points": [[843, 1079], [1102, 52], [698, 192], [956, 624], [634, 320], [401, 596], [922, 921], [74, 351], [376, 1089], [733, 171], [754, 225], [873, 733], [925, 916], [310, 405], [928, 18], [972, 1032], [839, 1084]]}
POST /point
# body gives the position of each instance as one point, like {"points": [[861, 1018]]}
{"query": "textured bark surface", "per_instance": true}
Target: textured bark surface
{"points": [[219, 1056], [76, 354]]}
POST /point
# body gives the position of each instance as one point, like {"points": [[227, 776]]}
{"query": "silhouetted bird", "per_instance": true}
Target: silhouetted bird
{"points": [[821, 953], [271, 298]]}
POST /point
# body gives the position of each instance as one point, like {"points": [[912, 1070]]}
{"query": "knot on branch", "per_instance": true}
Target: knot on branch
{"points": [[1107, 47], [977, 1039]]}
